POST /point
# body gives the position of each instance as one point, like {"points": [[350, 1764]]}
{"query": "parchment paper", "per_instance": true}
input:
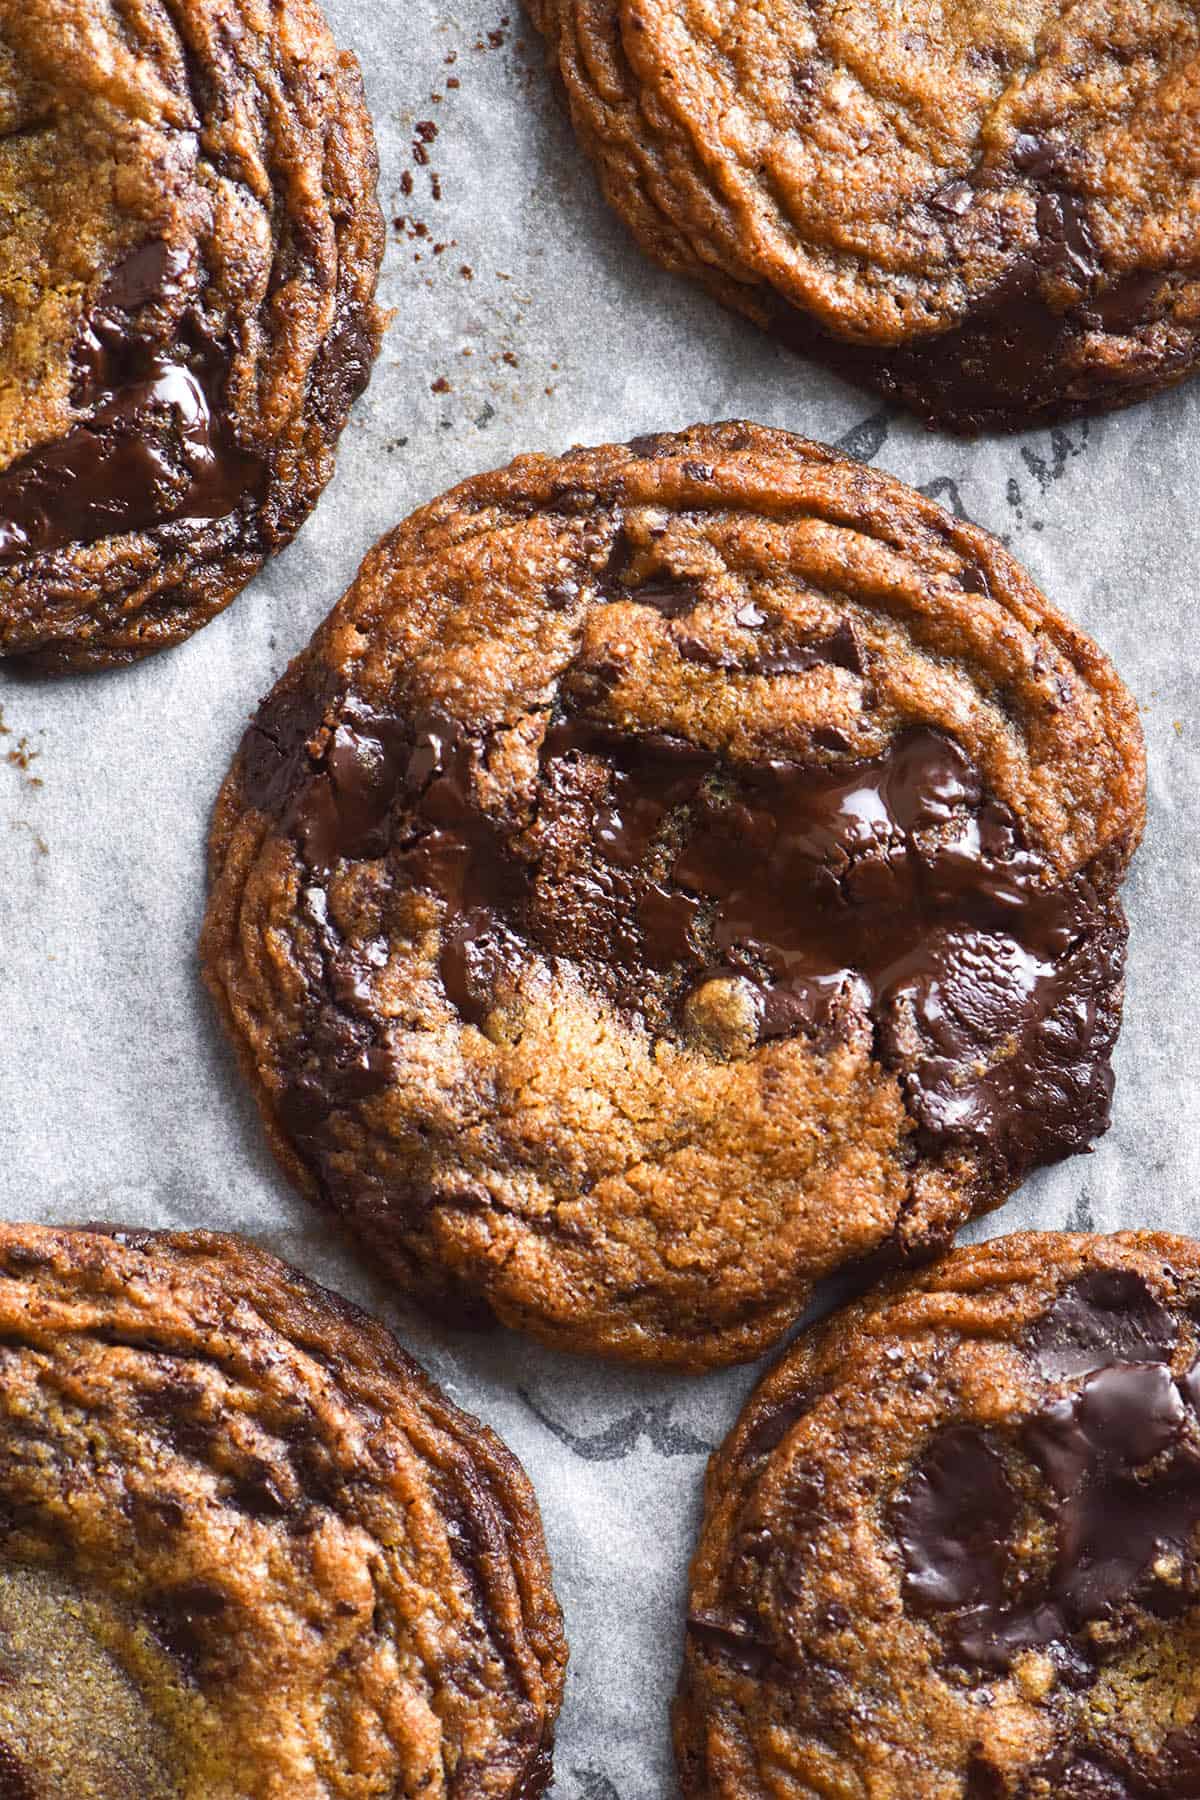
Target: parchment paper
{"points": [[117, 1096]]}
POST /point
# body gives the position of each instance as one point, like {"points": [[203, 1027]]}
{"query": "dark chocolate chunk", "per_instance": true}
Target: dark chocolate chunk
{"points": [[1107, 1315], [954, 198], [1041, 159], [837, 649], [673, 599], [184, 1620], [735, 1642], [256, 1491], [953, 1521], [1067, 245], [562, 596], [280, 738], [775, 1424]]}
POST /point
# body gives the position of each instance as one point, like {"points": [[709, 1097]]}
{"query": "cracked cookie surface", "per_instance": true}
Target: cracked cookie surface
{"points": [[674, 872], [988, 212], [250, 1552], [950, 1548], [187, 274]]}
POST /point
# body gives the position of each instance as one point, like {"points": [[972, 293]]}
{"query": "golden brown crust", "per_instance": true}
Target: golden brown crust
{"points": [[830, 1647], [233, 136], [606, 1178], [289, 1565], [986, 212]]}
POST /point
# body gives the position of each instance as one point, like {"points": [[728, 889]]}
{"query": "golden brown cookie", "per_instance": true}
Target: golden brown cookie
{"points": [[671, 873], [189, 244], [950, 1548], [988, 212], [249, 1551]]}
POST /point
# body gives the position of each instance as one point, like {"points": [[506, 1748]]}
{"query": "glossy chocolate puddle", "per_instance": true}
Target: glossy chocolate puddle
{"points": [[892, 894], [151, 448], [1114, 1468]]}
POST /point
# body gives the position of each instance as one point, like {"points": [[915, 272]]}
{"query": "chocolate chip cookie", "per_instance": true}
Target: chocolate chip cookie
{"points": [[987, 212], [671, 873], [950, 1549], [188, 255], [249, 1550]]}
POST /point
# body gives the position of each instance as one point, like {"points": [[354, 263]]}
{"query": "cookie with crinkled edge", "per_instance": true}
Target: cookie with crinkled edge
{"points": [[187, 276], [247, 1548], [988, 213], [672, 873], [951, 1546]]}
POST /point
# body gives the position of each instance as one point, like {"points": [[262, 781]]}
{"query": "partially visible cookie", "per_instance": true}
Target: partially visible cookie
{"points": [[189, 248], [673, 872], [248, 1551], [988, 212], [952, 1547]]}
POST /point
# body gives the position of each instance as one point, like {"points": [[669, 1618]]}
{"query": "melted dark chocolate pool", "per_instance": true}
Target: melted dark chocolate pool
{"points": [[152, 448], [893, 892], [1115, 1463]]}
